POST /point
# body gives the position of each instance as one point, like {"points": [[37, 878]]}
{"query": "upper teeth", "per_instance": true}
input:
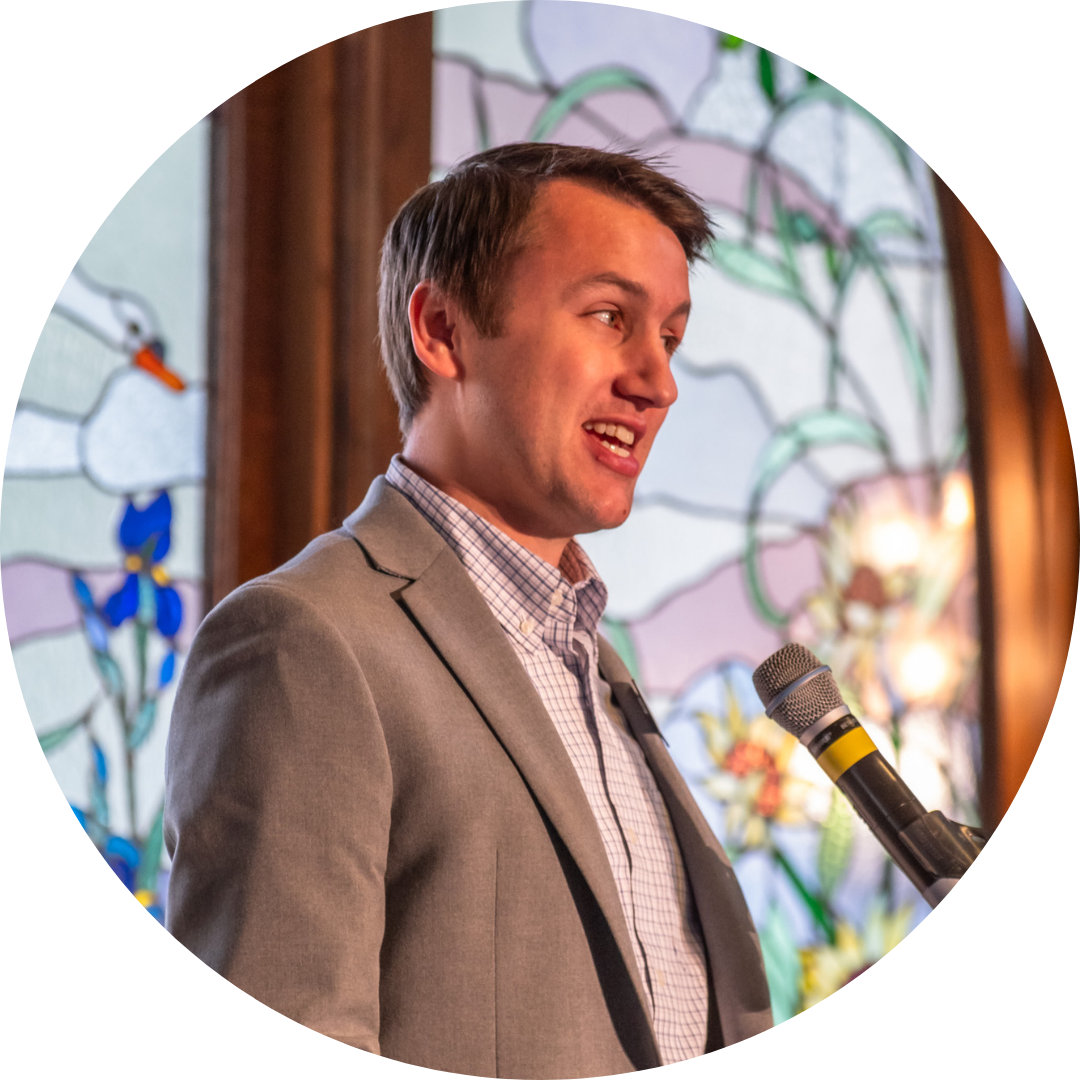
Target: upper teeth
{"points": [[621, 433]]}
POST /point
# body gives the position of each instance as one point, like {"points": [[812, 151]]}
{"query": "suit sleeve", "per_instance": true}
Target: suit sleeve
{"points": [[278, 793]]}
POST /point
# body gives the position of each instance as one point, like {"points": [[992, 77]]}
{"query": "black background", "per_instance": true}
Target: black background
{"points": [[95, 100]]}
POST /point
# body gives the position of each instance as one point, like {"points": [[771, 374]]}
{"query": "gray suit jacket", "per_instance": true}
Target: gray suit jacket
{"points": [[376, 830]]}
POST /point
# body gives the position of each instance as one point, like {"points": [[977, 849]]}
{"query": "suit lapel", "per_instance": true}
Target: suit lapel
{"points": [[739, 986], [458, 623]]}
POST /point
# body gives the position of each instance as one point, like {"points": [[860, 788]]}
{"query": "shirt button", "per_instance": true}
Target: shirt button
{"points": [[631, 835], [527, 626]]}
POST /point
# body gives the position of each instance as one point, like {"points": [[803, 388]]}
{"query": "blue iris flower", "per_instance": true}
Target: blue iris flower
{"points": [[145, 536]]}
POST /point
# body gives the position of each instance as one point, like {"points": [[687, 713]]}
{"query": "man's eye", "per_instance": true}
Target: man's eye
{"points": [[608, 318], [671, 344]]}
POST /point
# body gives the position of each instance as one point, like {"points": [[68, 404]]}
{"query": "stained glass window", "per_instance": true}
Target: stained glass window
{"points": [[101, 537], [810, 483]]}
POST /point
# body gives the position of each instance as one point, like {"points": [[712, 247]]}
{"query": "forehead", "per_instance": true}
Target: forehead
{"points": [[585, 208], [575, 228]]}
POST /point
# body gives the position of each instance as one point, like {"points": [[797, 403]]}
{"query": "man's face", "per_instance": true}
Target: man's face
{"points": [[560, 410]]}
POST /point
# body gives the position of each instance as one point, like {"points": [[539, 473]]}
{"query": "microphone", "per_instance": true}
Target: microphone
{"points": [[800, 694]]}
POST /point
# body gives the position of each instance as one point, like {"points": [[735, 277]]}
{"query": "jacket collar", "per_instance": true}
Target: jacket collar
{"points": [[395, 535]]}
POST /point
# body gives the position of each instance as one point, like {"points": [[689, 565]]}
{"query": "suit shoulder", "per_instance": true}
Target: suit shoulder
{"points": [[331, 578], [331, 586]]}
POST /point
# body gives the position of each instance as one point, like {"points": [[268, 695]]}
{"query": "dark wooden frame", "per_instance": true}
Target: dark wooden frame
{"points": [[1027, 516], [309, 165]]}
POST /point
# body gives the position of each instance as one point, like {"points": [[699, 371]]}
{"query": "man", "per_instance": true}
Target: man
{"points": [[413, 801]]}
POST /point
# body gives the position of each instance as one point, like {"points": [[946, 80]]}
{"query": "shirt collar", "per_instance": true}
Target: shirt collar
{"points": [[530, 597]]}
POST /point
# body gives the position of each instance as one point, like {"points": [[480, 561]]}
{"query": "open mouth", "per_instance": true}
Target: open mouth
{"points": [[614, 437]]}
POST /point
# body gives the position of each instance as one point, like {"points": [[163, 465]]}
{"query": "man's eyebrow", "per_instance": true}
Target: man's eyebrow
{"points": [[627, 285], [634, 288]]}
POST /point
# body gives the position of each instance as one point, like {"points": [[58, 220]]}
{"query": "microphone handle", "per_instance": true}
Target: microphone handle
{"points": [[887, 806], [880, 797]]}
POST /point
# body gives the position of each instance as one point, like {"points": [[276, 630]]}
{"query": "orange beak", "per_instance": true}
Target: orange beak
{"points": [[151, 363]]}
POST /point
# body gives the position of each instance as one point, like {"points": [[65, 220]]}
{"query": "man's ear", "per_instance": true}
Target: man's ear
{"points": [[433, 320]]}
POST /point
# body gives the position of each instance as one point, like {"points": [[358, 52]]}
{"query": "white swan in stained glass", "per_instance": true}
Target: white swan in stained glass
{"points": [[146, 431]]}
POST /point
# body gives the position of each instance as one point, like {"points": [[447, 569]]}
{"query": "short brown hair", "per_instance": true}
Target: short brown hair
{"points": [[463, 232]]}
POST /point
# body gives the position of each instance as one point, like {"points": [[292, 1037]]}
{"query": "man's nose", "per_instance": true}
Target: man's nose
{"points": [[647, 378]]}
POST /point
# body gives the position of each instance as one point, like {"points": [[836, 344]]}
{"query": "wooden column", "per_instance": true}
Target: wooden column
{"points": [[310, 164], [385, 79], [1027, 529]]}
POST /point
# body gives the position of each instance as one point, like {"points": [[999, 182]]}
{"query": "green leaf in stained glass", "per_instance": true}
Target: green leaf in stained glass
{"points": [[783, 967], [580, 89], [144, 724], [150, 861], [822, 427], [750, 267], [890, 223], [832, 261], [766, 75], [835, 844], [50, 740], [815, 906], [803, 227], [785, 234], [110, 672], [730, 41]]}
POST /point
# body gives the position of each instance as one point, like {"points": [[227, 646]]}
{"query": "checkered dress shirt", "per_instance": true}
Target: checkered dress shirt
{"points": [[550, 618]]}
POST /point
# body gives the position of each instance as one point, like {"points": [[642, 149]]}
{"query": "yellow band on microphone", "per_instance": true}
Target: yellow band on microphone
{"points": [[839, 756]]}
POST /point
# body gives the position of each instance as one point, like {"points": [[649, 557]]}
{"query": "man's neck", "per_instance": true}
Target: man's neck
{"points": [[550, 550]]}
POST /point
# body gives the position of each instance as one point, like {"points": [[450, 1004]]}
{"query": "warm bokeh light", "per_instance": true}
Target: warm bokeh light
{"points": [[893, 544], [957, 504], [924, 670]]}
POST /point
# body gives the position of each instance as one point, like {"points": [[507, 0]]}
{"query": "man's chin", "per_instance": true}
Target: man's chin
{"points": [[579, 509], [600, 518]]}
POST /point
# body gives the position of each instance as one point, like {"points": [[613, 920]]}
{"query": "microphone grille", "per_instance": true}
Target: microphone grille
{"points": [[810, 702]]}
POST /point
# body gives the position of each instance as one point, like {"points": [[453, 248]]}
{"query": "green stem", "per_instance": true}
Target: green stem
{"points": [[814, 905], [142, 642]]}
